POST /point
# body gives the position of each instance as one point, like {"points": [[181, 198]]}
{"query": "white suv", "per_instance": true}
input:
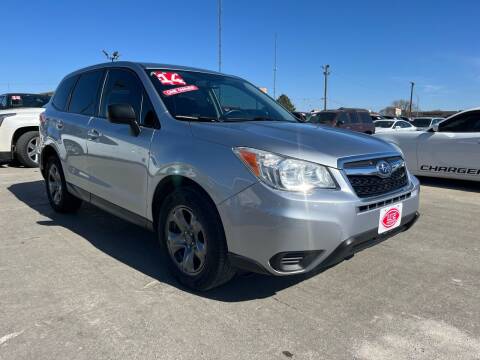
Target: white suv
{"points": [[19, 121]]}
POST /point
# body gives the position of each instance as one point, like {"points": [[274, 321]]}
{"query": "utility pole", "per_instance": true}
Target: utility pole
{"points": [[326, 72], [418, 103], [275, 68], [219, 35], [412, 84]]}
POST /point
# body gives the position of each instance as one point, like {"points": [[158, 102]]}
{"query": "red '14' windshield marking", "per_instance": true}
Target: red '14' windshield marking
{"points": [[169, 78]]}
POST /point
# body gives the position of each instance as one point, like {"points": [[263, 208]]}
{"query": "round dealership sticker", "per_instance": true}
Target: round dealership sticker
{"points": [[390, 218]]}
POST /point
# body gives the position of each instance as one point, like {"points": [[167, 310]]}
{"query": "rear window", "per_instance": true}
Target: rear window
{"points": [[84, 96], [385, 124], [421, 122], [323, 118], [62, 94], [28, 100], [365, 117]]}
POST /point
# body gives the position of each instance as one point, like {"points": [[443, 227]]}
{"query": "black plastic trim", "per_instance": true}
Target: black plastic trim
{"points": [[109, 207], [246, 264], [6, 156], [353, 245], [307, 257]]}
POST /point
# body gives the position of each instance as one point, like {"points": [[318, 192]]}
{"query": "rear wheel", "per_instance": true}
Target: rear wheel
{"points": [[58, 196], [193, 241], [26, 149]]}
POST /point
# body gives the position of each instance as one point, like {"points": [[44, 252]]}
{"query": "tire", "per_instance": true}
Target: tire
{"points": [[26, 149], [60, 199], [200, 237]]}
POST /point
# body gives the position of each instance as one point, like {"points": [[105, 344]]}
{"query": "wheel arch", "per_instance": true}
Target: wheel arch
{"points": [[167, 186], [47, 151], [20, 131]]}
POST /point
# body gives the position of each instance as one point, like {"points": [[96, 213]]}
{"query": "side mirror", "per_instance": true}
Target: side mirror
{"points": [[123, 114], [340, 122], [435, 127]]}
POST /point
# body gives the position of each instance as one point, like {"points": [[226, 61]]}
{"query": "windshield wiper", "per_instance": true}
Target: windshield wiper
{"points": [[195, 118], [257, 118]]}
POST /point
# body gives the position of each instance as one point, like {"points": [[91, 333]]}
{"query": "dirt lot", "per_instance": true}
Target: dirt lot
{"points": [[89, 286]]}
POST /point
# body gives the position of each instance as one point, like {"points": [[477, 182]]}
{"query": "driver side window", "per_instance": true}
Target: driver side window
{"points": [[466, 122], [122, 87]]}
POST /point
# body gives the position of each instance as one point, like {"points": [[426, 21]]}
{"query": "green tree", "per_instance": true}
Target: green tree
{"points": [[286, 102]]}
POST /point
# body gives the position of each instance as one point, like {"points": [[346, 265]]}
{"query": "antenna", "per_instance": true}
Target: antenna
{"points": [[114, 57]]}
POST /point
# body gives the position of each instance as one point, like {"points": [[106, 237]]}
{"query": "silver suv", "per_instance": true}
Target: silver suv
{"points": [[226, 177]]}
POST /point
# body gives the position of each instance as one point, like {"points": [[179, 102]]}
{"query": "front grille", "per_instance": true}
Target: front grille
{"points": [[367, 185]]}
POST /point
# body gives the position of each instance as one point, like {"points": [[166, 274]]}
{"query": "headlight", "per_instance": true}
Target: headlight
{"points": [[285, 173]]}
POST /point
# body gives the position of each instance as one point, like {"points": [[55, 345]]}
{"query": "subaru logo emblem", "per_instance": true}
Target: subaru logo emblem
{"points": [[384, 169]]}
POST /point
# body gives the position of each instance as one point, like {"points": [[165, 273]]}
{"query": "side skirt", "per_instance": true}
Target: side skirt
{"points": [[109, 207]]}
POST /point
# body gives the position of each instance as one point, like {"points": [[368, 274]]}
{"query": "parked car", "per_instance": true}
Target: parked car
{"points": [[352, 119], [226, 177], [376, 117], [449, 149], [302, 116], [393, 125], [425, 123], [19, 120]]}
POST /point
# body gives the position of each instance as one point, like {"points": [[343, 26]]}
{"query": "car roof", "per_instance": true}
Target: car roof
{"points": [[22, 94], [145, 66]]}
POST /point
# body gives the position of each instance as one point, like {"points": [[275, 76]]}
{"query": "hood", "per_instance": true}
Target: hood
{"points": [[311, 142]]}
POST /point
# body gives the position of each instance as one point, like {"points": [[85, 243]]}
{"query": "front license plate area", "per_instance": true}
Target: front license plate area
{"points": [[390, 218]]}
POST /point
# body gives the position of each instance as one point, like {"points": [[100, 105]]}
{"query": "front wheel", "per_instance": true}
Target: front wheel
{"points": [[193, 241], [60, 199], [26, 149]]}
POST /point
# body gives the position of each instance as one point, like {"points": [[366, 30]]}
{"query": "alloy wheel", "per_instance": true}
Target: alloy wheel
{"points": [[55, 184], [32, 149], [186, 240]]}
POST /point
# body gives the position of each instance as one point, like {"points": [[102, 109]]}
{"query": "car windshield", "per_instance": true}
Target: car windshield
{"points": [[384, 124], [421, 122], [197, 96], [27, 101]]}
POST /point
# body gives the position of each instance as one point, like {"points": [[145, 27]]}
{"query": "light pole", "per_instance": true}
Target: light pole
{"points": [[275, 68], [326, 72], [412, 84], [219, 35]]}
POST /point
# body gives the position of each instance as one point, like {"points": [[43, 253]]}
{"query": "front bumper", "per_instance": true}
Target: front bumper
{"points": [[269, 230], [5, 156]]}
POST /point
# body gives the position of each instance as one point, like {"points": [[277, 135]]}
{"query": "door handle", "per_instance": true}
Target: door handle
{"points": [[59, 124], [93, 134]]}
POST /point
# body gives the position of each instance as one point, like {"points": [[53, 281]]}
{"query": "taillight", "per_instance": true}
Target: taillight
{"points": [[43, 119]]}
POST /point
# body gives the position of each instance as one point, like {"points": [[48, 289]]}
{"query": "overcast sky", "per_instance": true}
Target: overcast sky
{"points": [[375, 48]]}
